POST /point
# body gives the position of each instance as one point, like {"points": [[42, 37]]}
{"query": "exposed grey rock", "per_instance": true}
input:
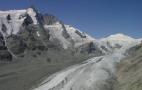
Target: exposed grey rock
{"points": [[4, 28], [8, 17], [65, 33], [4, 53], [82, 35], [50, 19], [104, 48], [131, 51], [16, 44], [5, 56], [28, 20], [90, 48]]}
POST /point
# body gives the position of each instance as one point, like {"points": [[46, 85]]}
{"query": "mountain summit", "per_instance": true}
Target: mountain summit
{"points": [[120, 37], [22, 30]]}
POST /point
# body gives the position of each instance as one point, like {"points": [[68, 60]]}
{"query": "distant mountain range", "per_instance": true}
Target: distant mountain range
{"points": [[30, 39]]}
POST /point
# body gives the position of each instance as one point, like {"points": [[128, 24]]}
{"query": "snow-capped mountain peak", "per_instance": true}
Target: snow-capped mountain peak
{"points": [[118, 41], [12, 20], [67, 36], [120, 37], [49, 27]]}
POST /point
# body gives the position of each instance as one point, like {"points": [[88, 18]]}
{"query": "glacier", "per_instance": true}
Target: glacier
{"points": [[97, 73]]}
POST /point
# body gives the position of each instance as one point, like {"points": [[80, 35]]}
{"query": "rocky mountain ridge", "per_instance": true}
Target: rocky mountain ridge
{"points": [[29, 29]]}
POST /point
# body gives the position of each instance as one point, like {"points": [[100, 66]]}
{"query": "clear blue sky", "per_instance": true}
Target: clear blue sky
{"points": [[99, 18]]}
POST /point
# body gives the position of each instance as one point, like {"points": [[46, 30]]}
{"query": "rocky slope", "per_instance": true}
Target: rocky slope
{"points": [[130, 71]]}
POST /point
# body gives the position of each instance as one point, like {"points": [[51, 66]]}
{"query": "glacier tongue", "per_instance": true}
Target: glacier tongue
{"points": [[96, 74]]}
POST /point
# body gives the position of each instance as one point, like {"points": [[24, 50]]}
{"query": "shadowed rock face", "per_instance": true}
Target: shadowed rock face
{"points": [[90, 48], [4, 28], [65, 33], [28, 20], [82, 35], [4, 53], [27, 39], [50, 19], [16, 44]]}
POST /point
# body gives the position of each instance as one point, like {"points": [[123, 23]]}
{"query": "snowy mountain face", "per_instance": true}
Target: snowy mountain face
{"points": [[12, 26], [22, 28], [29, 29], [68, 36], [12, 20]]}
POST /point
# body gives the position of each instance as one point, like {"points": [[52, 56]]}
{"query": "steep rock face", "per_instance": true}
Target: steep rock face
{"points": [[91, 48], [50, 19], [27, 39]]}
